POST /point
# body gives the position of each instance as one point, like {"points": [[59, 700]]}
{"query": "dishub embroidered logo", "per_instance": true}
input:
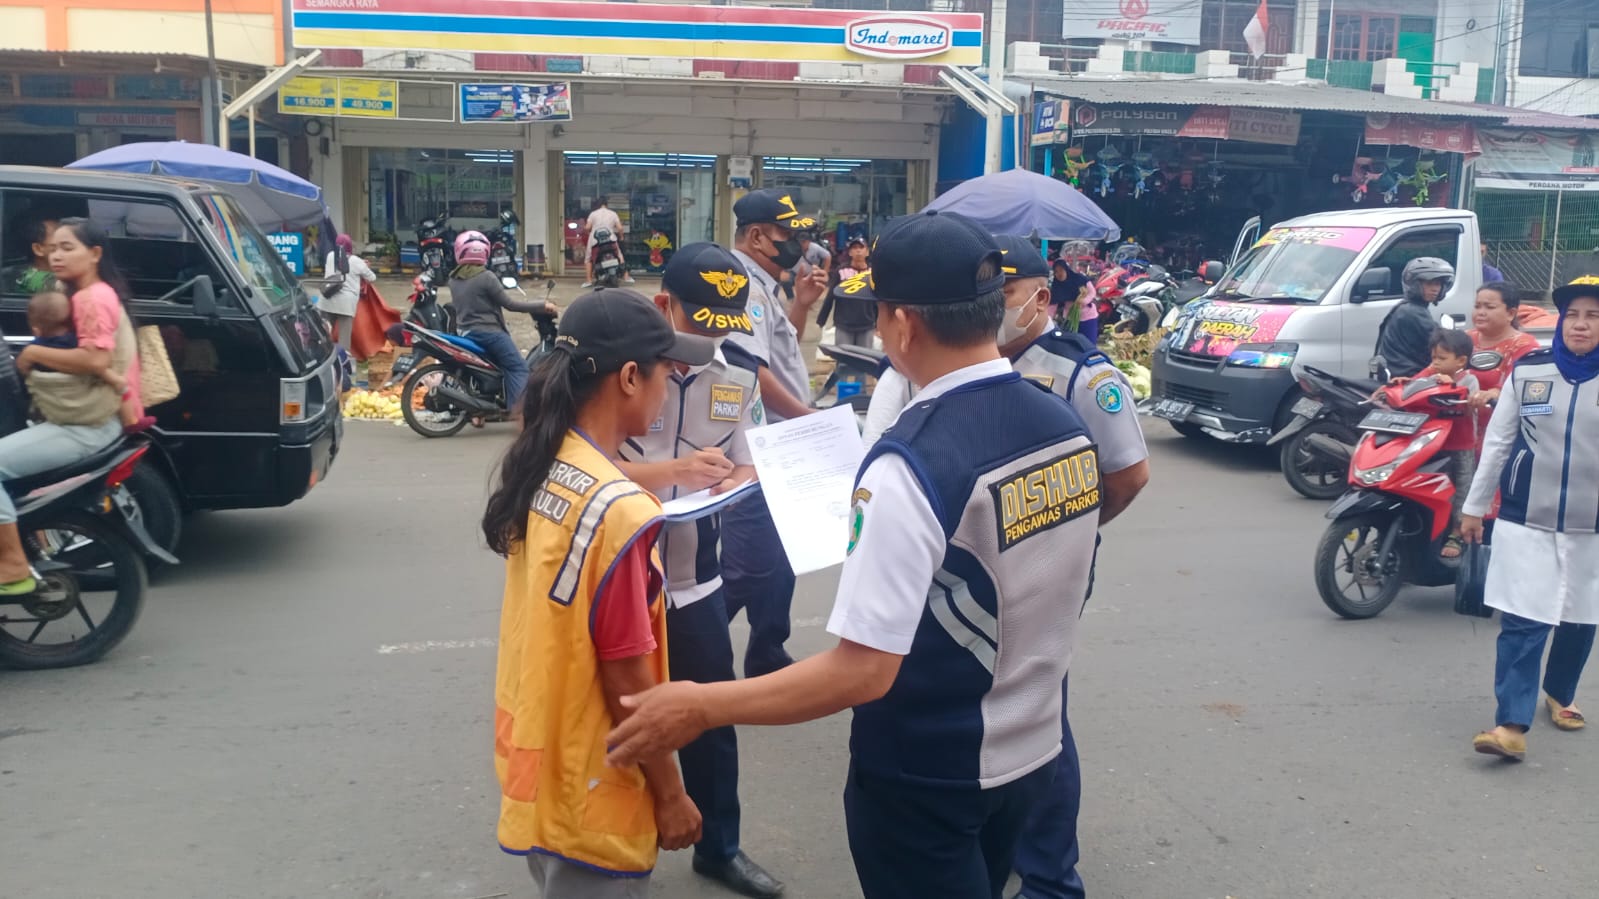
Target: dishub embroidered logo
{"points": [[897, 37]]}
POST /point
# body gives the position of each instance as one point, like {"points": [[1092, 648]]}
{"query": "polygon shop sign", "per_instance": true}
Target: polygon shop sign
{"points": [[1168, 21], [644, 30], [1261, 126], [516, 102], [291, 246], [370, 98]]}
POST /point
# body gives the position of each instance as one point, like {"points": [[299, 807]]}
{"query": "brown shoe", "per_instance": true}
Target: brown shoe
{"points": [[1502, 742], [1564, 717]]}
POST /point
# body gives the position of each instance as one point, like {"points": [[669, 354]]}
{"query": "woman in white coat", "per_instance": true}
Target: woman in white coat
{"points": [[339, 308], [1541, 453]]}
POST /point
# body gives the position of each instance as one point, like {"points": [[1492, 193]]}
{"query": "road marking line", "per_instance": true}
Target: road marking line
{"points": [[432, 645]]}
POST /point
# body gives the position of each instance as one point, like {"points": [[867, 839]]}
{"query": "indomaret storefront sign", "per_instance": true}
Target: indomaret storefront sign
{"points": [[639, 30]]}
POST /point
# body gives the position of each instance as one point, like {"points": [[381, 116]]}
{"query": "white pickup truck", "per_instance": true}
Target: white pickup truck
{"points": [[1309, 291]]}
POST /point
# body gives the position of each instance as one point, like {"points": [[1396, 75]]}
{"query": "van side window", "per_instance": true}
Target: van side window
{"points": [[1442, 242], [151, 244]]}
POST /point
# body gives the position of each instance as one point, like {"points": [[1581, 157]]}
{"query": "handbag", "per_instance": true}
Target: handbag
{"points": [[1470, 580], [158, 383]]}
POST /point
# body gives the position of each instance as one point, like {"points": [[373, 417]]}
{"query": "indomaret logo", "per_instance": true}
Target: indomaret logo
{"points": [[898, 37]]}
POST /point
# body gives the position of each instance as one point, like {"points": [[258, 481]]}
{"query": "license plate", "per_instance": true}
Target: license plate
{"points": [[402, 365], [1307, 407], [1386, 422], [1173, 410], [500, 260]]}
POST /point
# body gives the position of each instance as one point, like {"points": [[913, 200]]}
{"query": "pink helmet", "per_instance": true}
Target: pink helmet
{"points": [[471, 248]]}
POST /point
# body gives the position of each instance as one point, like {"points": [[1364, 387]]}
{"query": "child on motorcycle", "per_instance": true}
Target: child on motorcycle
{"points": [[1451, 352]]}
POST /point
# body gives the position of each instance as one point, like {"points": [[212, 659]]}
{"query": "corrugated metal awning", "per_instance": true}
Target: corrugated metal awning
{"points": [[1304, 96]]}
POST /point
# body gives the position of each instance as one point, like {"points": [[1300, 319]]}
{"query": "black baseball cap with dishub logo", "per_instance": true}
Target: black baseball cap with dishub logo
{"points": [[712, 287], [1022, 259], [610, 327], [929, 259], [770, 207]]}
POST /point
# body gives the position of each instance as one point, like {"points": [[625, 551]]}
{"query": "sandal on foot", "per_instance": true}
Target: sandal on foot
{"points": [[19, 588], [1452, 548], [1504, 745], [1565, 717]]}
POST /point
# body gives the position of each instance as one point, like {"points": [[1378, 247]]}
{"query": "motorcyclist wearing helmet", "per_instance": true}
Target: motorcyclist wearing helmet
{"points": [[1403, 339], [480, 302]]}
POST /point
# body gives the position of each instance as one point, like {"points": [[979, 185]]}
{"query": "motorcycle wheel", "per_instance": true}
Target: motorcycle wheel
{"points": [[63, 549], [425, 421], [155, 506], [1349, 548], [1310, 474]]}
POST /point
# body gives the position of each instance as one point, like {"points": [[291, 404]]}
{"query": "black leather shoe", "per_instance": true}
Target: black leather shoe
{"points": [[740, 875]]}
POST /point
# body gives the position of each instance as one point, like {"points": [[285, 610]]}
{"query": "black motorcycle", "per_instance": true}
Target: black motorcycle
{"points": [[435, 242], [448, 380], [1318, 442], [86, 550], [607, 259], [860, 362], [502, 246]]}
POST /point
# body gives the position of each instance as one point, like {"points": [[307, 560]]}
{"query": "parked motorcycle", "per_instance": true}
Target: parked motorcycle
{"points": [[503, 260], [448, 381], [1319, 442], [86, 550], [434, 240], [606, 256], [1389, 528], [1143, 303], [858, 364]]}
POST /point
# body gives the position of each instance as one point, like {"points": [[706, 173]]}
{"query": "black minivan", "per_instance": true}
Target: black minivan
{"points": [[257, 420]]}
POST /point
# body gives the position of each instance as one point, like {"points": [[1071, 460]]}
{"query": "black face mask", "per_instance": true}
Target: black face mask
{"points": [[789, 252]]}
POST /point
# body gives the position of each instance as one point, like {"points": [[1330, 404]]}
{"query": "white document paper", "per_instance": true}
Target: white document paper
{"points": [[701, 503], [807, 467]]}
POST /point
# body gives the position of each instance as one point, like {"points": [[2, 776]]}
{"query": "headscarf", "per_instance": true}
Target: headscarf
{"points": [[344, 243], [1574, 368], [343, 246]]}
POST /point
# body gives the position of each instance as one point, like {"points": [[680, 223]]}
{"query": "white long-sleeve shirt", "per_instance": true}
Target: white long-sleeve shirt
{"points": [[344, 302]]}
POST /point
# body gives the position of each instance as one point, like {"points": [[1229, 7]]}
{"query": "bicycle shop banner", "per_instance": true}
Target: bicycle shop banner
{"points": [[1168, 21], [646, 30], [1424, 132], [1260, 126], [516, 102], [1537, 160]]}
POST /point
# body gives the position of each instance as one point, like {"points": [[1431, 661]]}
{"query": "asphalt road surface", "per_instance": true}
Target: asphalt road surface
{"points": [[304, 711]]}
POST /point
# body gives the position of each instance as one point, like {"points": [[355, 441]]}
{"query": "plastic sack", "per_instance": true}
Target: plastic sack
{"points": [[1470, 580]]}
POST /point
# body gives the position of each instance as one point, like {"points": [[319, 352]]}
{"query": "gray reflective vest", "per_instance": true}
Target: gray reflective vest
{"points": [[1551, 481]]}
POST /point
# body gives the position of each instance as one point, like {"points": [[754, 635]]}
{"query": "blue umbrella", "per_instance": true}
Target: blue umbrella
{"points": [[276, 199], [1027, 203]]}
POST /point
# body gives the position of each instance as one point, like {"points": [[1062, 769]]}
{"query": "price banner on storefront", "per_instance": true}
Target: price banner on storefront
{"points": [[1051, 122], [516, 102], [309, 96], [369, 98]]}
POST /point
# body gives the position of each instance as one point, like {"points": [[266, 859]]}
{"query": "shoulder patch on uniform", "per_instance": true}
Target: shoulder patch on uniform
{"points": [[857, 517], [1535, 392], [727, 402], [1109, 397], [1045, 381], [1098, 379], [1048, 496], [571, 477], [548, 505], [758, 412], [757, 311]]}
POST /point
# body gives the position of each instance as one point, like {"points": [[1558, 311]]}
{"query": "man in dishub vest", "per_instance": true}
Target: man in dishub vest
{"points": [[697, 444], [972, 535]]}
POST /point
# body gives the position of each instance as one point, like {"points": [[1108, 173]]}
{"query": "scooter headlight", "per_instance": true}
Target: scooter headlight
{"points": [[1369, 476]]}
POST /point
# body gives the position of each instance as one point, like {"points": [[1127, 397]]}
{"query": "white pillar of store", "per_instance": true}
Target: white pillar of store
{"points": [[995, 144], [536, 191]]}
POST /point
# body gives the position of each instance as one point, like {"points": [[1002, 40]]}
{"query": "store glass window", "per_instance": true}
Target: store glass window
{"points": [[1358, 36], [664, 200], [855, 195], [1557, 39], [406, 186]]}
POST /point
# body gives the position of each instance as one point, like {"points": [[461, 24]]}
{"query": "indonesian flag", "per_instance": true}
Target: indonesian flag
{"points": [[1255, 32]]}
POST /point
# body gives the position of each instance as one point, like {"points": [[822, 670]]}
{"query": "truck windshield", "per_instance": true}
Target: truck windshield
{"points": [[264, 270], [1294, 265]]}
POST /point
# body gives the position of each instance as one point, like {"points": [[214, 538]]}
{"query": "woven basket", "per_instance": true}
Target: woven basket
{"points": [[158, 383]]}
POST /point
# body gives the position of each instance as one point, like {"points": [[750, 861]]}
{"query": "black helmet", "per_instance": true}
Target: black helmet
{"points": [[1423, 269]]}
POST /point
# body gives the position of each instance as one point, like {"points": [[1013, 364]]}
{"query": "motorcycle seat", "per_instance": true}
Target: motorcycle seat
{"points": [[103, 459], [464, 343]]}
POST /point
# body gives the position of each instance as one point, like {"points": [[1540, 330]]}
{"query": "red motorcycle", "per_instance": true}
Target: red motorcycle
{"points": [[1389, 529]]}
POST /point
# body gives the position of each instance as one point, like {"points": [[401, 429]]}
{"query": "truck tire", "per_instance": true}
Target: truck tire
{"points": [[159, 509]]}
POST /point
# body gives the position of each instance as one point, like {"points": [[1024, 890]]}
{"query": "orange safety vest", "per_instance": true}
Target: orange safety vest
{"points": [[550, 718]]}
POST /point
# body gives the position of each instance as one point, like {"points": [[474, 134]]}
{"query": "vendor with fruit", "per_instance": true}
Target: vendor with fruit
{"points": [[698, 443], [1543, 576]]}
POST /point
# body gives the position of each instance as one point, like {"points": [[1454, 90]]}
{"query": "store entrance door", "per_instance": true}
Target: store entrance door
{"points": [[1416, 47], [665, 200]]}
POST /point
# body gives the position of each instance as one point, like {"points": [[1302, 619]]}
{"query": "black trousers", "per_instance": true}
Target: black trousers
{"points": [[913, 842], [700, 649]]}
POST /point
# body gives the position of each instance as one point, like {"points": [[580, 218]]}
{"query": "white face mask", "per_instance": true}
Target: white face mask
{"points": [[1011, 328], [696, 369]]}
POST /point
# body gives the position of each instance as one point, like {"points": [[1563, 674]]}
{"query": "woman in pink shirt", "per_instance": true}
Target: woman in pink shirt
{"points": [[90, 422]]}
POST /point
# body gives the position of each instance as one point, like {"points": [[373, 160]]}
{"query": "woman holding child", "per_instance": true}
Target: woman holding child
{"points": [[86, 392], [1543, 577]]}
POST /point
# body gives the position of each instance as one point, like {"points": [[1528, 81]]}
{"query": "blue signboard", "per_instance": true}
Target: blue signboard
{"points": [[516, 102], [291, 246]]}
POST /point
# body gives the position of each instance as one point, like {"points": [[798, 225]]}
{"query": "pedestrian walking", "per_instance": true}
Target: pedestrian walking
{"points": [[755, 570], [972, 536], [698, 443], [346, 270], [854, 321], [1544, 572], [583, 623], [1070, 289]]}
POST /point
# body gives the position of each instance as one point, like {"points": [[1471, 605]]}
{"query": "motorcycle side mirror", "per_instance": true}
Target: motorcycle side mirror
{"points": [[550, 284], [1447, 322], [1379, 369], [1373, 282], [1485, 360], [508, 282], [1212, 271]]}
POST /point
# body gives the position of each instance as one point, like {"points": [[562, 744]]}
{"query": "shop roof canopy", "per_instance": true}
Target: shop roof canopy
{"points": [[1306, 97]]}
